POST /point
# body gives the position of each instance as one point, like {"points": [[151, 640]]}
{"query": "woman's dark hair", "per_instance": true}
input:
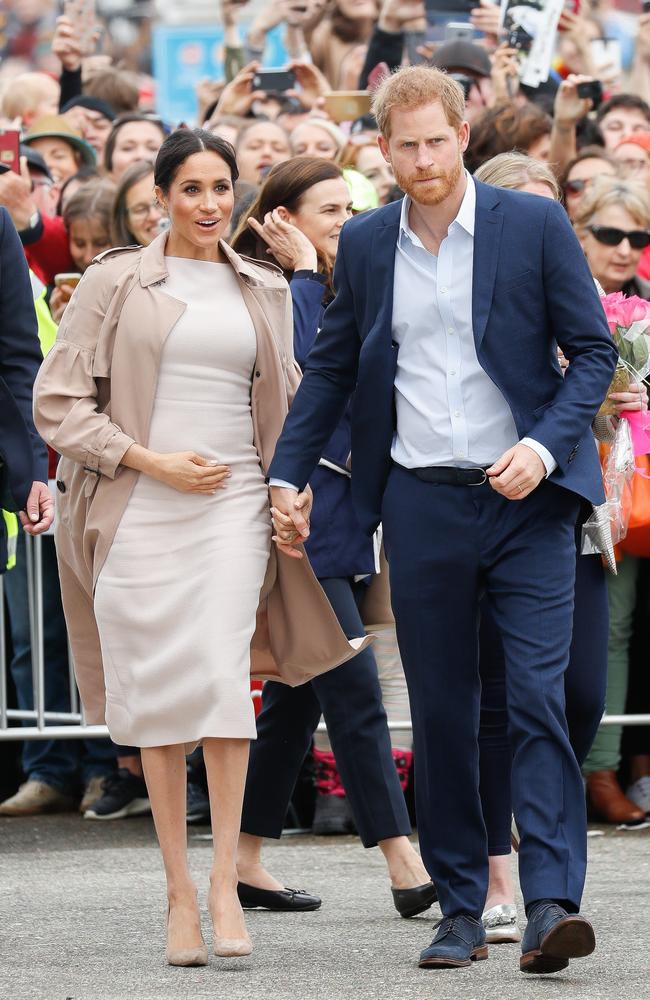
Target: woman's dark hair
{"points": [[286, 185], [95, 201], [120, 232], [505, 128], [109, 149], [185, 142]]}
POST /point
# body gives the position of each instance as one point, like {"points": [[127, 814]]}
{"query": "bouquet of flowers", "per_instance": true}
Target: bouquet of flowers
{"points": [[629, 323]]}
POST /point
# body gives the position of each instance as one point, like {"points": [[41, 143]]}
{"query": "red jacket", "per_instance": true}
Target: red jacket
{"points": [[50, 253]]}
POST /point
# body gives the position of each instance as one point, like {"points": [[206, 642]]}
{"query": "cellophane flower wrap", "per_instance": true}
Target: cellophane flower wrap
{"points": [[629, 324]]}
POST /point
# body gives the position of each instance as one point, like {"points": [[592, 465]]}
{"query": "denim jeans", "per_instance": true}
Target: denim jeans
{"points": [[62, 764]]}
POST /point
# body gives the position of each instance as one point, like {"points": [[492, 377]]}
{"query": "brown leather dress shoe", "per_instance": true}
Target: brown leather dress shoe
{"points": [[608, 802]]}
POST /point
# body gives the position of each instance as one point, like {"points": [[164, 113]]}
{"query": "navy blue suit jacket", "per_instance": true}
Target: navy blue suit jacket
{"points": [[22, 451], [532, 290]]}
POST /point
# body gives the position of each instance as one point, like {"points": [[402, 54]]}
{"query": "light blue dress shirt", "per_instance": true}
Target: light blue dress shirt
{"points": [[449, 411]]}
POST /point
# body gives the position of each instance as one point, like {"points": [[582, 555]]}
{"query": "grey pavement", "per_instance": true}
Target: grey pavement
{"points": [[82, 913]]}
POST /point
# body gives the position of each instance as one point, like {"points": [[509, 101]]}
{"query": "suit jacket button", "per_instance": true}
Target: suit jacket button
{"points": [[60, 485], [257, 374]]}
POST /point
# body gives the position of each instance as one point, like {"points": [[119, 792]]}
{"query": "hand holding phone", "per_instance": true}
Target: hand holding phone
{"points": [[81, 13]]}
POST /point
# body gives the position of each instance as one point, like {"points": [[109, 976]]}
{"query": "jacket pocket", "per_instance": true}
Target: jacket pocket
{"points": [[508, 284]]}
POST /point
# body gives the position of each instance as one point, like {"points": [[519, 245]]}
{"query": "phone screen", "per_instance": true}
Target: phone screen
{"points": [[10, 150]]}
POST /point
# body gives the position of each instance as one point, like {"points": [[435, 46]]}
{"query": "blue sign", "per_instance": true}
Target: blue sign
{"points": [[183, 56]]}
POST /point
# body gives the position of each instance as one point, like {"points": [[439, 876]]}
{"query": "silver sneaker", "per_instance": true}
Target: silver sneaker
{"points": [[500, 923]]}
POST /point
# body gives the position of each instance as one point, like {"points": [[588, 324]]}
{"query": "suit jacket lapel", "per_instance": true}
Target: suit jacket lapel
{"points": [[487, 240], [382, 265]]}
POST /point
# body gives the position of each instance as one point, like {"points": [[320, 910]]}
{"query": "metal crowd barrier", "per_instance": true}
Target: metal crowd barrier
{"points": [[72, 724]]}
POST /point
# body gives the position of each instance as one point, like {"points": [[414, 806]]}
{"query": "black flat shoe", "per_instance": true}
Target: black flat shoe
{"points": [[282, 900], [410, 902]]}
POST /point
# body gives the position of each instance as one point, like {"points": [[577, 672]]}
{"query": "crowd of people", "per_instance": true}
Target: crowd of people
{"points": [[99, 169]]}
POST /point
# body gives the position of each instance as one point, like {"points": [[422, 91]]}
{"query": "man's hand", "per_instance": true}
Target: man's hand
{"points": [[39, 511], [517, 473], [16, 195], [290, 511]]}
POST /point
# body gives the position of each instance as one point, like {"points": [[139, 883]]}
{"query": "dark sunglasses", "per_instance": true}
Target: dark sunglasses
{"points": [[610, 237], [575, 187]]}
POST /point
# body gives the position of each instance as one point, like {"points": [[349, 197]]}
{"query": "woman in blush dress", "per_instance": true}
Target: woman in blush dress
{"points": [[165, 393]]}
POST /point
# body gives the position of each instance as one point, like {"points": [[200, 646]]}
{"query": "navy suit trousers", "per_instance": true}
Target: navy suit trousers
{"points": [[447, 547], [585, 685]]}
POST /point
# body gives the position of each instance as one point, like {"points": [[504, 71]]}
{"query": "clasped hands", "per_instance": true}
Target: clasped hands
{"points": [[290, 511]]}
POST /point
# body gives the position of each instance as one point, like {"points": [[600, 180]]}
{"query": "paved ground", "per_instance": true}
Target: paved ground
{"points": [[81, 918]]}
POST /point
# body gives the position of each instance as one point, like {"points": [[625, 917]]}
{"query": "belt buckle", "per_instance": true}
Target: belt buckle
{"points": [[483, 480]]}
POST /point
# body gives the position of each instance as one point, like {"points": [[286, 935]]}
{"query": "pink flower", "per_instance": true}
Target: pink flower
{"points": [[633, 310], [613, 304]]}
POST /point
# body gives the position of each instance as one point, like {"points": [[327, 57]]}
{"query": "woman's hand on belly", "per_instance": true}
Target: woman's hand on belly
{"points": [[184, 471]]}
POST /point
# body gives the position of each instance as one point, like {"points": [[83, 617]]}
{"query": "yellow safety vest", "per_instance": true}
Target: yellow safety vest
{"points": [[47, 335]]}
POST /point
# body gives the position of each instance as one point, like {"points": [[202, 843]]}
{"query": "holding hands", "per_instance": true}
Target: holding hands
{"points": [[290, 511]]}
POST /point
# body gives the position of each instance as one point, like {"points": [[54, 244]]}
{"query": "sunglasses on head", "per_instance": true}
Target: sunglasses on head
{"points": [[639, 239]]}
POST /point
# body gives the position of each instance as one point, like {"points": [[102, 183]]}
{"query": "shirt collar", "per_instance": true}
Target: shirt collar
{"points": [[465, 218]]}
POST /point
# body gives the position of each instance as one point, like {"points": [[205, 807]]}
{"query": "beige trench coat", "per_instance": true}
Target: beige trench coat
{"points": [[93, 399]]}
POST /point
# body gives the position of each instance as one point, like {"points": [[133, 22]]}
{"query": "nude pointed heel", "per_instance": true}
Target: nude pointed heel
{"points": [[232, 947], [185, 956]]}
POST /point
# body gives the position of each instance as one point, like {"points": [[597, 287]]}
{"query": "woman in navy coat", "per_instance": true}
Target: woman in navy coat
{"points": [[296, 220]]}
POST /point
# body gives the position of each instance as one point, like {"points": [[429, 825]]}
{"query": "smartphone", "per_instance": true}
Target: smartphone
{"points": [[346, 105], [71, 278], [462, 31], [606, 52], [593, 89], [274, 80], [84, 20], [10, 150]]}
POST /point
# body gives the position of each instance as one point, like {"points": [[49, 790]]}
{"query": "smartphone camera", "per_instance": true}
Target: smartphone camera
{"points": [[592, 89]]}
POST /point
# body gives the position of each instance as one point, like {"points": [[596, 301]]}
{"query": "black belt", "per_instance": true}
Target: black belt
{"points": [[450, 476]]}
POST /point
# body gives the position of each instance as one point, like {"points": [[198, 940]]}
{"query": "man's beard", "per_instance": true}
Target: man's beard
{"points": [[435, 192]]}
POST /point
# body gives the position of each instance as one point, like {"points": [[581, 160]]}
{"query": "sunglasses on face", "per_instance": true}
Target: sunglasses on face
{"points": [[576, 187], [638, 239]]}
